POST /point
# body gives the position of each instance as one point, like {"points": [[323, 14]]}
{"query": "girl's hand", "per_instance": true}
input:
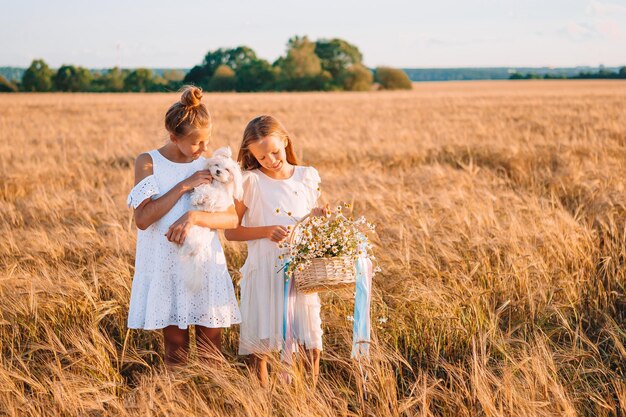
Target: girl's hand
{"points": [[198, 178], [277, 233], [180, 228], [320, 211]]}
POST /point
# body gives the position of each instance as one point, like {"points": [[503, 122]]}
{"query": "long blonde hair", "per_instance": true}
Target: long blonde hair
{"points": [[188, 113], [257, 129]]}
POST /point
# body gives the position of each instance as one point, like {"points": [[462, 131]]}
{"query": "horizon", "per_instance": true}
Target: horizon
{"points": [[524, 67], [401, 34]]}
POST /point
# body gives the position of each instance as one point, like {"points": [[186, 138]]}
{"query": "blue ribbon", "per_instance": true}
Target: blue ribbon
{"points": [[287, 281], [361, 326], [289, 338]]}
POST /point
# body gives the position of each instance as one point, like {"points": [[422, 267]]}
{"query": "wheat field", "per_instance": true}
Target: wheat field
{"points": [[501, 232]]}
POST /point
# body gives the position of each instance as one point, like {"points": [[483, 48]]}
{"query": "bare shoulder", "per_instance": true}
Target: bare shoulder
{"points": [[143, 167]]}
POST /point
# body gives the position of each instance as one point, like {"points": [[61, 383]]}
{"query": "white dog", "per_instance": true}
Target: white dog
{"points": [[217, 196]]}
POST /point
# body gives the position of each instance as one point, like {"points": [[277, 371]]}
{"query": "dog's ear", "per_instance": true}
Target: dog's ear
{"points": [[235, 171], [224, 152]]}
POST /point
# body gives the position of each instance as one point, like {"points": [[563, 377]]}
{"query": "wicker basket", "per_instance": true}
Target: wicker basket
{"points": [[324, 274]]}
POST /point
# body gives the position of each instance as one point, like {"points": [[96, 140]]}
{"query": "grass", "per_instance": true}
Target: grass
{"points": [[501, 214]]}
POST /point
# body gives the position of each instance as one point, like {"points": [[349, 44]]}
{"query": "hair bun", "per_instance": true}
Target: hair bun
{"points": [[191, 96]]}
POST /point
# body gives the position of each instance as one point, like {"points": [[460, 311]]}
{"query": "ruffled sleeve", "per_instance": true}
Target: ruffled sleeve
{"points": [[146, 188], [311, 179], [250, 188]]}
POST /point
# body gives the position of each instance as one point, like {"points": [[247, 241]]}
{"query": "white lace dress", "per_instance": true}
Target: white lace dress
{"points": [[262, 284], [159, 297]]}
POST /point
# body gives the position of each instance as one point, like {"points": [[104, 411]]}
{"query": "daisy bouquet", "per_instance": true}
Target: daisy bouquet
{"points": [[335, 235]]}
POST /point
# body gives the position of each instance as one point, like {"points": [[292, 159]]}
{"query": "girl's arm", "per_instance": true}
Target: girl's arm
{"points": [[240, 233], [221, 220], [149, 211], [178, 231]]}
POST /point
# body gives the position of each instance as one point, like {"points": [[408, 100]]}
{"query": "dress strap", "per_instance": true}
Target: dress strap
{"points": [[155, 154]]}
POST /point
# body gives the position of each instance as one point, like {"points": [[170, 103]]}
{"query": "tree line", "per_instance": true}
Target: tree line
{"points": [[39, 77], [322, 65], [600, 74]]}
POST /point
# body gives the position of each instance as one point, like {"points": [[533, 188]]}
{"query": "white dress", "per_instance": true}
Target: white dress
{"points": [[159, 297], [262, 284]]}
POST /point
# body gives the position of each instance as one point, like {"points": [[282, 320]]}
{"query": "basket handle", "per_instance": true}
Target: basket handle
{"points": [[295, 227]]}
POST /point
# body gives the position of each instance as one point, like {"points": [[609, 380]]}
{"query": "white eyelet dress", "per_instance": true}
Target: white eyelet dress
{"points": [[262, 284], [159, 297]]}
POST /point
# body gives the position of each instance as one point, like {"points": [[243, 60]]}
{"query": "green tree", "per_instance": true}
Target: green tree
{"points": [[234, 58], [392, 79], [161, 84], [622, 72], [38, 77], [336, 56], [357, 78], [7, 86], [604, 73], [71, 78], [257, 75], [139, 80], [173, 79], [301, 69], [198, 75], [223, 79], [173, 75], [113, 80]]}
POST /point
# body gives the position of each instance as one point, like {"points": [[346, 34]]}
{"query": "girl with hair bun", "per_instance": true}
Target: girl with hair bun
{"points": [[163, 179]]}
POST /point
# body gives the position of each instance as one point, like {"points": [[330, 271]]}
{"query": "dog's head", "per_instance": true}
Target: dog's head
{"points": [[225, 170]]}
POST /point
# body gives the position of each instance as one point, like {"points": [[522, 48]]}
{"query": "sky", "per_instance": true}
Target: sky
{"points": [[407, 34]]}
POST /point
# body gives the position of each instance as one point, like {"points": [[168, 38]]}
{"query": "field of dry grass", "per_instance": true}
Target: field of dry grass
{"points": [[501, 215]]}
